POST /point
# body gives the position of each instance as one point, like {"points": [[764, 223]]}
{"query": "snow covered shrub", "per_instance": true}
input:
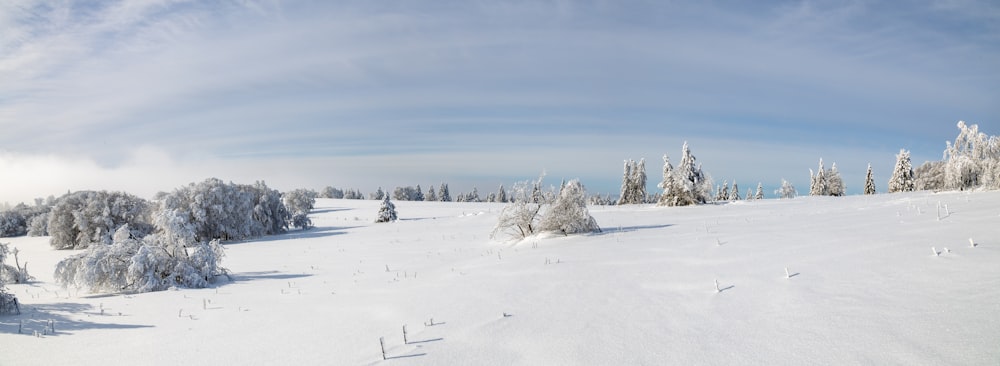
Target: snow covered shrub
{"points": [[8, 302], [929, 176], [902, 175], [153, 263], [39, 225], [569, 214], [299, 202], [330, 192], [520, 215], [387, 212], [407, 193], [82, 218], [12, 273]]}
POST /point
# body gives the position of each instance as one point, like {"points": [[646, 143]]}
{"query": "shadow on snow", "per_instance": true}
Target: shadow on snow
{"points": [[63, 317], [625, 229], [310, 233]]}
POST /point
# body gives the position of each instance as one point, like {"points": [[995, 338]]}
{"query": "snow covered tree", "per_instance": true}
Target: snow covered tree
{"points": [[431, 195], [760, 191], [902, 175], [687, 184], [973, 160], [387, 212], [723, 192], [834, 183], [569, 214], [379, 194], [8, 302], [869, 181], [817, 181], [418, 195], [787, 190], [83, 218], [501, 195], [443, 194], [12, 223], [299, 202], [519, 217], [929, 176], [734, 194], [330, 192], [633, 183], [213, 209]]}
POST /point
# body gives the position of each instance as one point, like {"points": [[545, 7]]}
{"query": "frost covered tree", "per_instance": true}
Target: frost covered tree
{"points": [[155, 262], [786, 191], [379, 194], [817, 181], [443, 193], [834, 183], [633, 183], [386, 212], [686, 184], [15, 273], [869, 181], [83, 218], [213, 209], [973, 160], [501, 195], [330, 192], [431, 195], [418, 195], [12, 223], [929, 176], [298, 203], [723, 192], [519, 217], [734, 194], [8, 302], [759, 195], [902, 175], [569, 213]]}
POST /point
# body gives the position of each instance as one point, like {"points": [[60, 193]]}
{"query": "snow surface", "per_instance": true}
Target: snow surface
{"points": [[866, 288]]}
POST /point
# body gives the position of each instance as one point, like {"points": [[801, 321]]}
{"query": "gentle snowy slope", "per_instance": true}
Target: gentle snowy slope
{"points": [[866, 289]]}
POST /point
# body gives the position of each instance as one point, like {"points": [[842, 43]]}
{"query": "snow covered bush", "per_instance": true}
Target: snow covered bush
{"points": [[386, 212], [12, 273], [519, 217], [39, 225], [8, 302], [902, 175], [83, 218], [330, 192], [633, 183], [298, 203], [407, 193], [569, 214], [153, 263]]}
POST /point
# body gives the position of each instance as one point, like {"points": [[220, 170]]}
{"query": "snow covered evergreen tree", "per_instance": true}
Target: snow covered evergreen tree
{"points": [[817, 181], [902, 175], [760, 191], [386, 212], [723, 194], [633, 183], [786, 191], [431, 195], [443, 194], [501, 195], [569, 214], [379, 194], [869, 181], [834, 183], [734, 194]]}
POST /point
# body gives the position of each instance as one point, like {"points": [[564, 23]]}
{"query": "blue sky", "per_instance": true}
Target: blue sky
{"points": [[149, 95]]}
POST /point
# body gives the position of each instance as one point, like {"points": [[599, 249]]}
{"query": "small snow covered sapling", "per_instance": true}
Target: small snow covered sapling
{"points": [[972, 243], [787, 275], [717, 289], [936, 253]]}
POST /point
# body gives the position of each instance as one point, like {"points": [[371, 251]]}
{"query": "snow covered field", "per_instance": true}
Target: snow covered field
{"points": [[864, 288]]}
